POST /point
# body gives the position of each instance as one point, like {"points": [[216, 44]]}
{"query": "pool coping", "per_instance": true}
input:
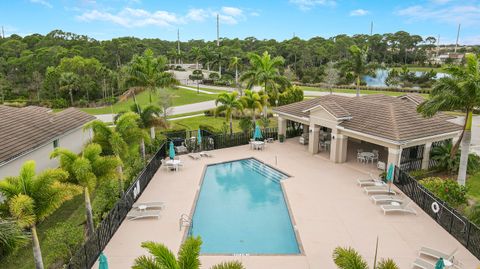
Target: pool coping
{"points": [[285, 198]]}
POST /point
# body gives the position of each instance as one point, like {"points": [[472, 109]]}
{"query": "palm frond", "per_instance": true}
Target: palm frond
{"points": [[387, 264], [188, 255], [229, 265], [348, 258], [162, 255]]}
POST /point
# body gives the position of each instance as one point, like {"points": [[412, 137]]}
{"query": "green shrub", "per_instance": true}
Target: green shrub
{"points": [[441, 154], [209, 112], [64, 240], [214, 76], [291, 95], [208, 128], [106, 196], [473, 213], [447, 190], [246, 125], [420, 174], [59, 103], [197, 72], [11, 237]]}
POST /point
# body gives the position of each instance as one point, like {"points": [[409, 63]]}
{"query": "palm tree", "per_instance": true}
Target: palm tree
{"points": [[229, 103], [207, 56], [148, 72], [358, 65], [264, 71], [460, 91], [86, 171], [150, 117], [11, 237], [69, 83], [31, 198], [252, 100], [348, 258], [197, 53], [218, 59], [235, 63], [188, 257]]}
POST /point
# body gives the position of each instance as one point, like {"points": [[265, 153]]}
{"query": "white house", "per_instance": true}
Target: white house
{"points": [[31, 133]]}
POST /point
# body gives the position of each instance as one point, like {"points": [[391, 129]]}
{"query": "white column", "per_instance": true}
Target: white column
{"points": [[338, 151], [282, 127], [313, 138], [426, 155], [394, 155]]}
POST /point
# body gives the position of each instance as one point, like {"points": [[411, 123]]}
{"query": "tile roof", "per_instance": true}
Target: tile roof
{"points": [[23, 129], [379, 115]]}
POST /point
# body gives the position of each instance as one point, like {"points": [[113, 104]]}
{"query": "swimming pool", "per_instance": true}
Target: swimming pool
{"points": [[241, 209]]}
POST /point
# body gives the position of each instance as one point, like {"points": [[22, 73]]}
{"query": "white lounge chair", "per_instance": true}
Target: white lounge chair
{"points": [[194, 156], [205, 154], [166, 165], [149, 205], [404, 208], [141, 214], [385, 198], [421, 263], [369, 182], [430, 252], [379, 190], [181, 149]]}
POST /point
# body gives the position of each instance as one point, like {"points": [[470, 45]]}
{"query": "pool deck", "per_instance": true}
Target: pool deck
{"points": [[329, 210]]}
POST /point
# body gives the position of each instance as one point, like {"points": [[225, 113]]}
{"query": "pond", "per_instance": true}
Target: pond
{"points": [[382, 74]]}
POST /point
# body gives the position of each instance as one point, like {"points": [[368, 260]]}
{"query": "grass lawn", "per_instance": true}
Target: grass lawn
{"points": [[72, 211], [216, 122], [306, 88], [179, 97], [473, 184]]}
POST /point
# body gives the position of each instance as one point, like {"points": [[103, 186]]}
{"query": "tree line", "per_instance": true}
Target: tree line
{"points": [[69, 68]]}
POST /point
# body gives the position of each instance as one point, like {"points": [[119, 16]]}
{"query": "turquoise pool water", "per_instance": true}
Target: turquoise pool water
{"points": [[241, 210]]}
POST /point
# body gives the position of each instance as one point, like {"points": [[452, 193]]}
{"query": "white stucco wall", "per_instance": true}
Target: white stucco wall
{"points": [[73, 141]]}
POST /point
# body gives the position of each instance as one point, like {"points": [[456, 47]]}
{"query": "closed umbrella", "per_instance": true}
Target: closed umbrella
{"points": [[171, 151], [440, 264], [391, 170], [199, 139], [103, 264], [258, 133]]}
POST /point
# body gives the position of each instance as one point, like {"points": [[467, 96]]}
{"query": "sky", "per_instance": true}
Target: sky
{"points": [[263, 19]]}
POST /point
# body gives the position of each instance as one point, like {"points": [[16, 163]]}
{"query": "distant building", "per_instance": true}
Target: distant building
{"points": [[449, 58], [31, 133]]}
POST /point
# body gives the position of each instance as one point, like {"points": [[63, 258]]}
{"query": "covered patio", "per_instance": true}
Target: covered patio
{"points": [[374, 130]]}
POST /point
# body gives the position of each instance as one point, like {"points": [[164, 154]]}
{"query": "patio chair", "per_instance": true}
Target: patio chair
{"points": [[381, 166], [166, 165], [181, 149], [404, 208], [205, 154], [361, 158], [421, 263], [194, 156], [430, 252], [369, 182], [149, 205], [385, 198], [141, 214], [378, 190], [375, 156]]}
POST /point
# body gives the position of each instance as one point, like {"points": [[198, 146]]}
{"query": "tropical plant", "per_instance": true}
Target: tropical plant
{"points": [[473, 213], [349, 258], [253, 100], [246, 125], [188, 257], [31, 198], [444, 161], [69, 83], [291, 95], [219, 59], [150, 117], [264, 71], [358, 65], [11, 237], [148, 72], [459, 91], [87, 171], [447, 190], [228, 104], [64, 240], [331, 75], [197, 53], [235, 63]]}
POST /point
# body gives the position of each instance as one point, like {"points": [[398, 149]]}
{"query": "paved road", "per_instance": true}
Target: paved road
{"points": [[171, 111], [475, 144]]}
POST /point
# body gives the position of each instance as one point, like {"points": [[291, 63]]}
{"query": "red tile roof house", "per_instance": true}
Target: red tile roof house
{"points": [[31, 133], [390, 125]]}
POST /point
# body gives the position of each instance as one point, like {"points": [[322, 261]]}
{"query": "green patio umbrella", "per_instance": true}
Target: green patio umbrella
{"points": [[440, 264], [391, 170], [199, 139], [103, 264], [258, 133], [171, 152]]}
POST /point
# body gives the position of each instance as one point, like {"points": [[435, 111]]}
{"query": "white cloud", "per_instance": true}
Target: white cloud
{"points": [[197, 14], [232, 11], [359, 12], [465, 14], [129, 17], [309, 4], [42, 2], [440, 2]]}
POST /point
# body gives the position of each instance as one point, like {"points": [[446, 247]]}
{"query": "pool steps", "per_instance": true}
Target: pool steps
{"points": [[265, 170]]}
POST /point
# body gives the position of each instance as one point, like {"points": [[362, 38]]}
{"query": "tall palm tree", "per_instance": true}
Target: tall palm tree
{"points": [[150, 117], [252, 100], [235, 63], [149, 72], [229, 103], [188, 257], [460, 91], [31, 198], [86, 171], [69, 83], [264, 71], [219, 59], [348, 258], [358, 65], [197, 53], [207, 56]]}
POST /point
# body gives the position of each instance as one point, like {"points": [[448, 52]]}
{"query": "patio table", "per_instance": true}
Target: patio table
{"points": [[174, 164], [367, 155], [258, 144]]}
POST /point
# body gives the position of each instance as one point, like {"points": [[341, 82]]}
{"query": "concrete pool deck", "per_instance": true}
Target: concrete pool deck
{"points": [[328, 207]]}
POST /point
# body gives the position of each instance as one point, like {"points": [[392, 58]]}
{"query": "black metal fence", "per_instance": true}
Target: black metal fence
{"points": [[91, 249], [467, 233], [412, 158]]}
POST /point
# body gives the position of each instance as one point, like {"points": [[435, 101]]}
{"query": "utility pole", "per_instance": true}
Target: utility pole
{"points": [[371, 28], [3, 32], [438, 46], [458, 35], [178, 44], [218, 32]]}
